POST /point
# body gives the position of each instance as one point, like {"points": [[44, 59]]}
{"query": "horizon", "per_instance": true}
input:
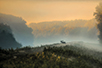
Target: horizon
{"points": [[44, 11], [79, 13]]}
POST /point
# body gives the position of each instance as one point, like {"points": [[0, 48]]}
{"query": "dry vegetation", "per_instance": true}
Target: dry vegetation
{"points": [[50, 57]]}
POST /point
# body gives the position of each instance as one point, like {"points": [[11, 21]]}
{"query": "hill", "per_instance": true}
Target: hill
{"points": [[51, 56], [20, 30], [7, 39]]}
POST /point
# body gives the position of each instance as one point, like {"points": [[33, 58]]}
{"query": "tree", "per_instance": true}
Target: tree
{"points": [[7, 39], [98, 16]]}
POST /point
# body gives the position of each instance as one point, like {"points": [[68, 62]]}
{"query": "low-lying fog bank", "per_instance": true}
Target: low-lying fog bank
{"points": [[89, 45]]}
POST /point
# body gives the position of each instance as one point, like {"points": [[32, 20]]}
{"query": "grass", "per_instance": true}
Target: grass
{"points": [[50, 57]]}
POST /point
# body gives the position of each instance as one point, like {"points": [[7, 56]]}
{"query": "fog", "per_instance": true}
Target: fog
{"points": [[55, 26], [74, 30], [7, 40], [50, 32], [49, 10], [22, 33], [68, 31]]}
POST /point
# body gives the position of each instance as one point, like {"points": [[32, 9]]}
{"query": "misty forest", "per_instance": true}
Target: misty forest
{"points": [[75, 43]]}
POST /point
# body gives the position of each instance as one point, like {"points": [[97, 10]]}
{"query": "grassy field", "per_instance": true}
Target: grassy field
{"points": [[50, 56]]}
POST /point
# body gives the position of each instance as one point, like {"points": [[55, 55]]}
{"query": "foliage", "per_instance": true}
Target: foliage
{"points": [[50, 57], [98, 16]]}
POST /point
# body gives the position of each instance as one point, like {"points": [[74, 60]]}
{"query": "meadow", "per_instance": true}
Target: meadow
{"points": [[50, 56]]}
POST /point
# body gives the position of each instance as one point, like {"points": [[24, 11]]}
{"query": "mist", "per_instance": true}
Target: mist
{"points": [[66, 33], [51, 25], [74, 30], [7, 39], [49, 10], [22, 33]]}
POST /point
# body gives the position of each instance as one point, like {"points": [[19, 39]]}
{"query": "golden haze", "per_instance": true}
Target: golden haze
{"points": [[39, 11]]}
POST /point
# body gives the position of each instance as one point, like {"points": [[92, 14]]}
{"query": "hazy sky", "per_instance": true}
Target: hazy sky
{"points": [[38, 11]]}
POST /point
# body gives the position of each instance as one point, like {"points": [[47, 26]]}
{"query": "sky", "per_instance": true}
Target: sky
{"points": [[49, 10]]}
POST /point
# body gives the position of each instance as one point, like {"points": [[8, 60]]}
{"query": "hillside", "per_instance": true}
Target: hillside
{"points": [[7, 39], [51, 56], [20, 30]]}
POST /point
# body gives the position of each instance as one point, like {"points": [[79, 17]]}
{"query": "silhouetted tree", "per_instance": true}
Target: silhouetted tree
{"points": [[98, 16], [7, 39]]}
